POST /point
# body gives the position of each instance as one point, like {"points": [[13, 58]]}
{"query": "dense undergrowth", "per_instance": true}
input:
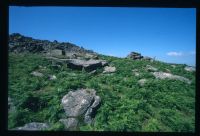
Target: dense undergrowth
{"points": [[160, 105]]}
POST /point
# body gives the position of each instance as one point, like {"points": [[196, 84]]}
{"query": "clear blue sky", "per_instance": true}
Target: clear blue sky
{"points": [[167, 33]]}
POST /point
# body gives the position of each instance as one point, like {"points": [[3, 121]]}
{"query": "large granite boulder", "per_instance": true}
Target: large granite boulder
{"points": [[80, 103], [135, 56], [164, 75], [34, 126]]}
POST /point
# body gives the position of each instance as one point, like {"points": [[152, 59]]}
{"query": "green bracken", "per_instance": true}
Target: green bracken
{"points": [[158, 106]]}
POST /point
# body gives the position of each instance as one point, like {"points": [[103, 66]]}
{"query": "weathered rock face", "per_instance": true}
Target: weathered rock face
{"points": [[80, 103], [109, 69], [190, 69], [163, 75], [90, 111], [34, 126], [135, 56]]}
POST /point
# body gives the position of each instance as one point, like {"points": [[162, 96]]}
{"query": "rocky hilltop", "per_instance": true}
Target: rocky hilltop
{"points": [[61, 86], [19, 44]]}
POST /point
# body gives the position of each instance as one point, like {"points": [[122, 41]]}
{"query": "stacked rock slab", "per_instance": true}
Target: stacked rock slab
{"points": [[78, 104], [87, 65], [135, 56], [79, 64]]}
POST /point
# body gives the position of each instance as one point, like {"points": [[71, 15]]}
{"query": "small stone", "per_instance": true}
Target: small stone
{"points": [[109, 69], [52, 77], [135, 72], [142, 82], [38, 74]]}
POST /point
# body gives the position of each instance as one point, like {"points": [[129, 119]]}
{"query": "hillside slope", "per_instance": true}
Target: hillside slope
{"points": [[127, 102]]}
